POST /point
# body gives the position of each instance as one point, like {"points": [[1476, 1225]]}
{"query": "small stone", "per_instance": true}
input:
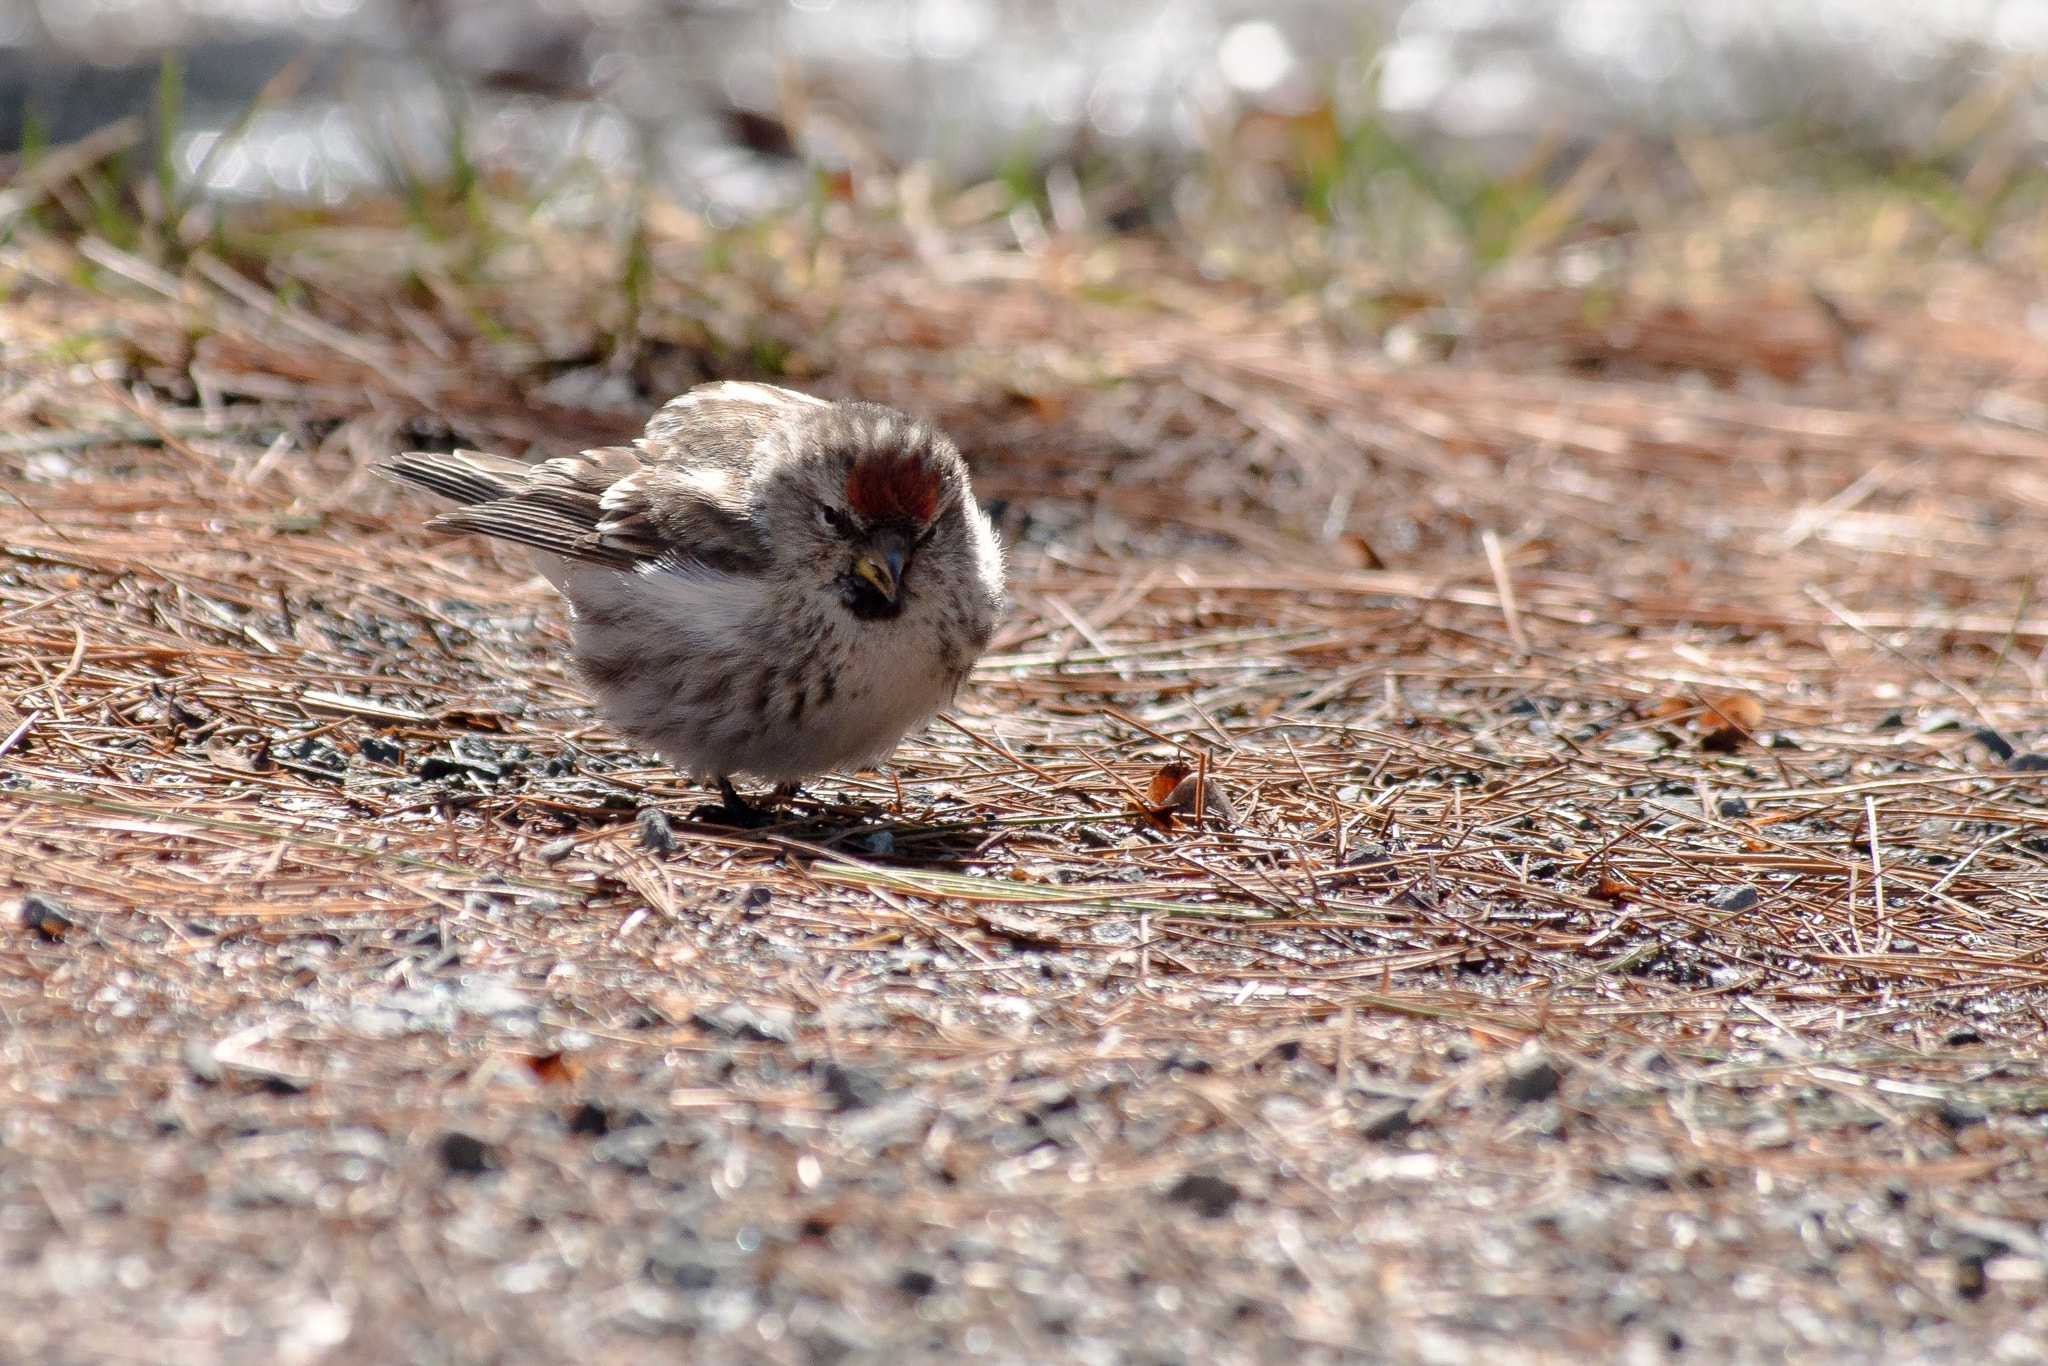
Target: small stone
{"points": [[1531, 1076], [2000, 747], [1387, 1119], [904, 1119], [201, 1062], [44, 916], [1367, 857], [554, 851], [466, 1155], [679, 1264], [1957, 1115], [1891, 720], [1941, 718], [1647, 1166], [1732, 808], [440, 767], [1545, 1117], [490, 997], [756, 897], [1769, 1133], [1740, 897], [1957, 1038], [753, 1024], [1284, 1109], [656, 834], [1210, 1196], [1971, 1252], [379, 750], [881, 842], [311, 754], [852, 1088], [632, 1147]]}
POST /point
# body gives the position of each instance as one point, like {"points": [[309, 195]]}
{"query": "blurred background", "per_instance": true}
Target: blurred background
{"points": [[736, 107]]}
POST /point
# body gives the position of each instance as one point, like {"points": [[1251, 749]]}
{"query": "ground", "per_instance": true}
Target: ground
{"points": [[1616, 934]]}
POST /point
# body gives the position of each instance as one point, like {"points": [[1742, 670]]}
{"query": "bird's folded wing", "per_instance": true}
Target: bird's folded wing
{"points": [[720, 426], [590, 507]]}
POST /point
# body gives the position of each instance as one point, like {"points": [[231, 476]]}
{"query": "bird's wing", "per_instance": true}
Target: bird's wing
{"points": [[720, 426], [679, 493], [606, 506]]}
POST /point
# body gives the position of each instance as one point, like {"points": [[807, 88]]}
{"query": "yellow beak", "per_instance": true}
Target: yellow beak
{"points": [[880, 568]]}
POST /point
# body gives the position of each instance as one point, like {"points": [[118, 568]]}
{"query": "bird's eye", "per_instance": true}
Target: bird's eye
{"points": [[831, 516]]}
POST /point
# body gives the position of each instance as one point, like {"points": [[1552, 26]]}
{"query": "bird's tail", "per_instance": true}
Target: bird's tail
{"points": [[466, 476]]}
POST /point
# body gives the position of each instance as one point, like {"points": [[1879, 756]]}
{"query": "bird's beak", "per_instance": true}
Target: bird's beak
{"points": [[881, 560]]}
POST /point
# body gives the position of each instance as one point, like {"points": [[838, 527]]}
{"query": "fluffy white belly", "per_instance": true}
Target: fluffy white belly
{"points": [[714, 674]]}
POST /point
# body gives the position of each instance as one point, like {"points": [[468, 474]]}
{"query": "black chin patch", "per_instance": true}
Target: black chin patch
{"points": [[866, 602]]}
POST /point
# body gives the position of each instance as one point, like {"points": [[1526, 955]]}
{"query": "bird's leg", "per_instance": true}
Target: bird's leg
{"points": [[741, 811], [733, 809]]}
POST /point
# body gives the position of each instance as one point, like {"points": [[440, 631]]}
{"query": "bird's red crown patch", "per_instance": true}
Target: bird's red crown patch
{"points": [[893, 485]]}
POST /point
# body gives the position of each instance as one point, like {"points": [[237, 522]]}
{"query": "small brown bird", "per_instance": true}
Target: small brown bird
{"points": [[764, 584]]}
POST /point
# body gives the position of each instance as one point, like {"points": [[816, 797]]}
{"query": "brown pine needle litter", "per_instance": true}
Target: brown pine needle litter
{"points": [[1614, 925]]}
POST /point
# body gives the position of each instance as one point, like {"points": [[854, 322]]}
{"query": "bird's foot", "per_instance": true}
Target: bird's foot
{"points": [[732, 810]]}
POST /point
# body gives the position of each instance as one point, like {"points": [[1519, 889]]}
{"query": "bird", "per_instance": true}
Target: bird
{"points": [[765, 584]]}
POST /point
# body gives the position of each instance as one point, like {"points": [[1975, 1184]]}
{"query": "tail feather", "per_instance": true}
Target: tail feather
{"points": [[466, 476]]}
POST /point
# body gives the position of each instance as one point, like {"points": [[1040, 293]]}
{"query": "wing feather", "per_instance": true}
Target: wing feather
{"points": [[616, 506]]}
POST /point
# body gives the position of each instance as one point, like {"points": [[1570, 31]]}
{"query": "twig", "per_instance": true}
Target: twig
{"points": [[1506, 588]]}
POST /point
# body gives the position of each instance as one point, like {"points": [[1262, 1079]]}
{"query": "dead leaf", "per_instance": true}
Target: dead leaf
{"points": [[1164, 781], [236, 758], [1215, 801], [1357, 553], [473, 718], [1172, 790], [41, 915], [1730, 718], [1024, 932], [1047, 407], [1736, 709], [1612, 888], [1724, 719]]}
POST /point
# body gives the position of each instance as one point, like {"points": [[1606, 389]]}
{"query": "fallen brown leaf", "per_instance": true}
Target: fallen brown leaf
{"points": [[1172, 791], [1730, 718]]}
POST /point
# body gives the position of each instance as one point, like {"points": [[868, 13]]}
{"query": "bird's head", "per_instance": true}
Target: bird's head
{"points": [[865, 494]]}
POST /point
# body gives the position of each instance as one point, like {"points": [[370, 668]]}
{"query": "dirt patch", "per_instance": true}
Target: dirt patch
{"points": [[1617, 929]]}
